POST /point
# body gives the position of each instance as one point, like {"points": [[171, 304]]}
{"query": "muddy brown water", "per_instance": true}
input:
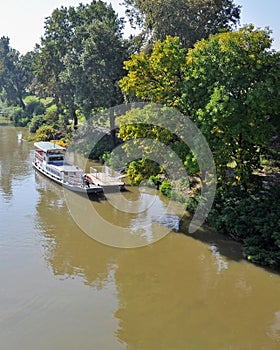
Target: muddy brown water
{"points": [[62, 290]]}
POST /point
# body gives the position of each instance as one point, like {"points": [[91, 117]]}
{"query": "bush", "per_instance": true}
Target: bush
{"points": [[45, 133], [166, 188], [143, 169], [191, 204], [252, 218], [156, 180], [51, 114], [36, 123], [17, 116], [33, 106]]}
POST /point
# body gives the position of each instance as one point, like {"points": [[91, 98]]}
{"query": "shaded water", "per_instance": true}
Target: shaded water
{"points": [[61, 289]]}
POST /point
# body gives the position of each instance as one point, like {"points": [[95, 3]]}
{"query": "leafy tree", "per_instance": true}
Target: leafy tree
{"points": [[95, 67], [80, 57], [232, 93], [15, 73], [191, 20], [49, 65], [157, 77], [144, 132]]}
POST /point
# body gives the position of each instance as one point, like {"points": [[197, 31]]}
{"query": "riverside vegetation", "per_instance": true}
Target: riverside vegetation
{"points": [[224, 79]]}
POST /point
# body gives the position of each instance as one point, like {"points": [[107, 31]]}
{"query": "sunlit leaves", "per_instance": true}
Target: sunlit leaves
{"points": [[231, 91], [156, 77]]}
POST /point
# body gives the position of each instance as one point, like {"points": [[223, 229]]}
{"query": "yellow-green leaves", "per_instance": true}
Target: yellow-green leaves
{"points": [[156, 78]]}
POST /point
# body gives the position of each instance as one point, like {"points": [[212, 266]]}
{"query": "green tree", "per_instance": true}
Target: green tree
{"points": [[94, 65], [157, 77], [49, 64], [191, 20], [232, 94], [80, 58], [144, 132], [15, 73]]}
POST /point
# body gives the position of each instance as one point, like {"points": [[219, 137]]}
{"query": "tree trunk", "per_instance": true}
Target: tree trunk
{"points": [[22, 104], [112, 126], [74, 117]]}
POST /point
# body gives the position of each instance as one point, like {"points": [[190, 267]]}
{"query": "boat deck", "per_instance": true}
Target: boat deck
{"points": [[106, 177]]}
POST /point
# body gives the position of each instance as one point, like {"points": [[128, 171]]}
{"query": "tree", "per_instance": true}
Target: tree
{"points": [[157, 77], [15, 73], [190, 20], [94, 64], [232, 93], [80, 57]]}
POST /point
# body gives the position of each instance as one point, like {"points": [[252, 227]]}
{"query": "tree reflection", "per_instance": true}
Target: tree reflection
{"points": [[15, 162], [68, 251], [172, 294]]}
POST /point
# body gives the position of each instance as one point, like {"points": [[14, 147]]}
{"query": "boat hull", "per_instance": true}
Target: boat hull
{"points": [[82, 189]]}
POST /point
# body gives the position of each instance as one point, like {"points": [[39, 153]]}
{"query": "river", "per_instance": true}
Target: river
{"points": [[62, 289]]}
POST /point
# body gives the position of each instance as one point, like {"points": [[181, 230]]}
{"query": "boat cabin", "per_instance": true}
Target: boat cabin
{"points": [[50, 153], [51, 158]]}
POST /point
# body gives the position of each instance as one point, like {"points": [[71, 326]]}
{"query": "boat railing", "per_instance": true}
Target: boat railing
{"points": [[100, 172], [73, 180], [39, 156]]}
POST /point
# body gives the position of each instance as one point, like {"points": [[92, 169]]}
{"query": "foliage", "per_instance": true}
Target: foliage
{"points": [[51, 114], [15, 73], [36, 122], [145, 130], [253, 218], [157, 77], [228, 85], [191, 20], [232, 93], [80, 58], [156, 180], [18, 116], [191, 204], [140, 170], [166, 188], [33, 106], [45, 133]]}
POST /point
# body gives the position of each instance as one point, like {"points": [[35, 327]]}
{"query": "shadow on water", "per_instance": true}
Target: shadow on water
{"points": [[218, 243], [172, 291]]}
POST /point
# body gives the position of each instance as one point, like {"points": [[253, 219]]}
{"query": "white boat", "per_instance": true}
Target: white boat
{"points": [[109, 179], [49, 159]]}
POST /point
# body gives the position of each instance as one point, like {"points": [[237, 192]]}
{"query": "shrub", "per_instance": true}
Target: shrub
{"points": [[166, 188], [252, 218], [143, 169], [33, 106], [45, 133], [51, 114], [36, 122]]}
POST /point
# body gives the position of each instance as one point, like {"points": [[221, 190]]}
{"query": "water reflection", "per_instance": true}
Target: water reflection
{"points": [[68, 250], [14, 159], [60, 289], [178, 293], [274, 330], [170, 300]]}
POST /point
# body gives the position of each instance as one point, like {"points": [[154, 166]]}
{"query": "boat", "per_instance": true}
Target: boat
{"points": [[49, 159], [109, 179]]}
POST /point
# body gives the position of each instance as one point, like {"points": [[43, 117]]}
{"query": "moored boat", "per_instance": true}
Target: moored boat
{"points": [[49, 159], [109, 179]]}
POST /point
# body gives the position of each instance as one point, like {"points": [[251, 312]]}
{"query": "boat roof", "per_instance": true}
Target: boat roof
{"points": [[67, 167], [48, 146]]}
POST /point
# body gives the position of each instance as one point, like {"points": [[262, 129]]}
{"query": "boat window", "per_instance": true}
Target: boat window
{"points": [[56, 158]]}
